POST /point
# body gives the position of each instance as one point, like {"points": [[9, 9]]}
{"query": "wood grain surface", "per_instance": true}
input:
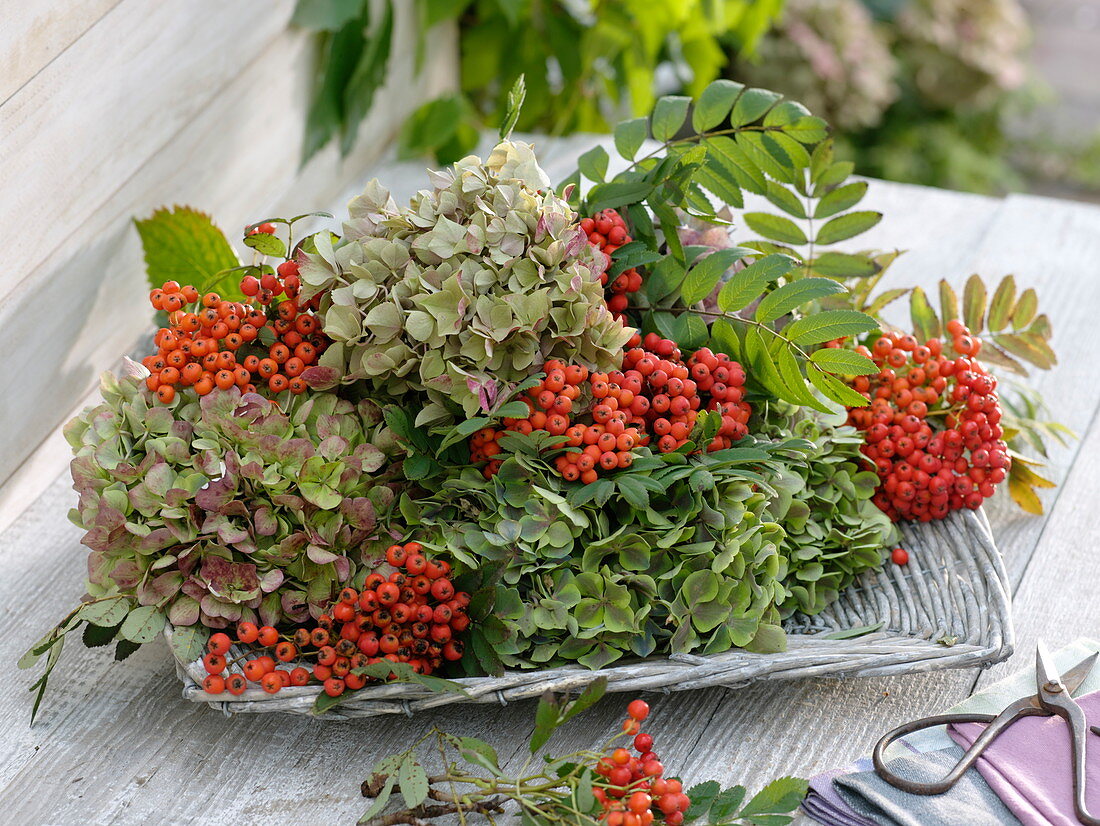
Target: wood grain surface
{"points": [[200, 103], [115, 744]]}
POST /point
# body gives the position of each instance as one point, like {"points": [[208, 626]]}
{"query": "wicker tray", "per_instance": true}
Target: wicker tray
{"points": [[948, 608]]}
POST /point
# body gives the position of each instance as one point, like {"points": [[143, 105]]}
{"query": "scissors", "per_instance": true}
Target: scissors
{"points": [[1053, 697]]}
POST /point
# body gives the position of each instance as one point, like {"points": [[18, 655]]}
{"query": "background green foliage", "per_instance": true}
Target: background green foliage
{"points": [[924, 91], [587, 63]]}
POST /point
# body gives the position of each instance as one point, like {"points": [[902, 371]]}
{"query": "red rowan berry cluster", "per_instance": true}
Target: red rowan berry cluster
{"points": [[637, 791], [605, 443], [606, 231], [656, 396], [928, 468], [410, 616], [213, 343]]}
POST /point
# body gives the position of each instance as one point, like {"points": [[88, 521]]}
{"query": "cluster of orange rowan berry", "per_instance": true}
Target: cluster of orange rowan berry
{"points": [[604, 416], [933, 427], [606, 231], [214, 343], [412, 615], [636, 790]]}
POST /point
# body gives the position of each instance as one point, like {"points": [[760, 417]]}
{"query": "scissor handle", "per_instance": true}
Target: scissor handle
{"points": [[997, 724], [1065, 707]]}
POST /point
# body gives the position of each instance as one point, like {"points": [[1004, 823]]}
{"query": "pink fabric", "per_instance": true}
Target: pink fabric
{"points": [[1030, 766]]}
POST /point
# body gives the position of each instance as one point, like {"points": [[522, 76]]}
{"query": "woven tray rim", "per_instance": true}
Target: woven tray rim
{"points": [[948, 608]]}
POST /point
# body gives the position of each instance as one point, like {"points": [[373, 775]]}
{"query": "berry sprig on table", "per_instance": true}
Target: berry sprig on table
{"points": [[637, 791], [933, 426], [412, 615], [611, 785], [211, 343], [655, 398]]}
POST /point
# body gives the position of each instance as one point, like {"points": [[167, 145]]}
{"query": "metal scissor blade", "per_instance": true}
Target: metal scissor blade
{"points": [[1073, 678], [1046, 672]]}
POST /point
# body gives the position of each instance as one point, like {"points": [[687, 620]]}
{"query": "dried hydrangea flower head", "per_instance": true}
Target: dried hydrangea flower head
{"points": [[467, 290]]}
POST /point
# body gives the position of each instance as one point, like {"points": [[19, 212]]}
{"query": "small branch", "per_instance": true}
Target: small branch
{"points": [[423, 815]]}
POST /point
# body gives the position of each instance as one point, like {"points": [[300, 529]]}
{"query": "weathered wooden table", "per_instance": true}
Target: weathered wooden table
{"points": [[115, 744]]}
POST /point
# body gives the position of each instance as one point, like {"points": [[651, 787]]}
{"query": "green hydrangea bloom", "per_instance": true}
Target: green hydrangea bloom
{"points": [[833, 532], [467, 290], [227, 508]]}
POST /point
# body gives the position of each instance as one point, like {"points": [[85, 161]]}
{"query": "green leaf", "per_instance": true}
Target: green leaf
{"points": [[124, 649], [737, 163], [477, 752], [189, 642], [367, 78], [727, 802], [832, 175], [634, 254], [840, 199], [764, 366], [630, 135], [468, 427], [775, 227], [852, 633], [926, 324], [617, 194], [702, 796], [785, 200], [593, 163], [844, 265], [182, 244], [751, 106], [592, 694], [974, 298], [884, 298], [782, 300], [701, 279], [1000, 306], [404, 673], [808, 129], [949, 302], [143, 624], [669, 115], [339, 54], [107, 613], [846, 226], [516, 95], [32, 654], [714, 103], [747, 284], [846, 362], [413, 781], [325, 15], [547, 718], [266, 244], [834, 389], [95, 635], [798, 392], [829, 325], [778, 797]]}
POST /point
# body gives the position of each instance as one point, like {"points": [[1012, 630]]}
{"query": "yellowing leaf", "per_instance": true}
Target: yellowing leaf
{"points": [[974, 298]]}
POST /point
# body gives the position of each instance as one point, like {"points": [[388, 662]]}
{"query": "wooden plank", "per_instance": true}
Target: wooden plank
{"points": [[237, 157], [88, 121], [37, 31]]}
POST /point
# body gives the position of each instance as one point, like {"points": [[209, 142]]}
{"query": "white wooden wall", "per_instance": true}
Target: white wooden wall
{"points": [[110, 108]]}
